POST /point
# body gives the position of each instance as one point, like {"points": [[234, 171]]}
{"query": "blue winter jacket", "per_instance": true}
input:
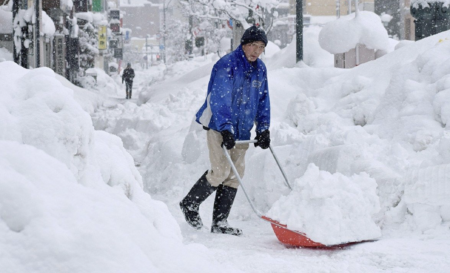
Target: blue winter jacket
{"points": [[238, 96]]}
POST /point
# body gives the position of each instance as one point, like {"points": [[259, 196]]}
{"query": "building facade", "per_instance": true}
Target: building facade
{"points": [[330, 7], [141, 16], [401, 26]]}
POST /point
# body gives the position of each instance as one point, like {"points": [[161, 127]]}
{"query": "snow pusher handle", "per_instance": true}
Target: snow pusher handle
{"points": [[227, 155]]}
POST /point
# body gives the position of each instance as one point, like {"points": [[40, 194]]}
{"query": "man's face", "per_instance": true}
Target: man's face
{"points": [[253, 50]]}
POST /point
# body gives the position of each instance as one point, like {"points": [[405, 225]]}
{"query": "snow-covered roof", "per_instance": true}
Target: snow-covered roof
{"points": [[345, 33]]}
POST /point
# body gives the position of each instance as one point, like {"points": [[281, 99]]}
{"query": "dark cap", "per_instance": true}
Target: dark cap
{"points": [[254, 34]]}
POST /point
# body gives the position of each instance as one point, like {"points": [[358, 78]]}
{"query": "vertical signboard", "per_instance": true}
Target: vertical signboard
{"points": [[97, 5], [115, 28], [113, 43], [102, 37], [115, 14], [60, 53], [118, 53], [127, 35]]}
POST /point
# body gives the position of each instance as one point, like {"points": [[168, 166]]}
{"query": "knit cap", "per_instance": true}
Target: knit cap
{"points": [[254, 34]]}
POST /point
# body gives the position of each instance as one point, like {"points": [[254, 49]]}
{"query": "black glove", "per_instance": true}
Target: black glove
{"points": [[263, 139], [228, 139]]}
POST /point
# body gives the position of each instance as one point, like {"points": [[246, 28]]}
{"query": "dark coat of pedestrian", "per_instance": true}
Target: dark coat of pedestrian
{"points": [[237, 98], [128, 76]]}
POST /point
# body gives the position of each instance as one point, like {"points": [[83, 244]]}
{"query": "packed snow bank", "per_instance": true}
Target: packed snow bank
{"points": [[330, 208], [97, 80], [394, 113], [346, 32], [37, 110], [49, 222], [71, 198], [88, 100]]}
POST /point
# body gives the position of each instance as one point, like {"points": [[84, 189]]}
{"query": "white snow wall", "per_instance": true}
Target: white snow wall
{"points": [[71, 199]]}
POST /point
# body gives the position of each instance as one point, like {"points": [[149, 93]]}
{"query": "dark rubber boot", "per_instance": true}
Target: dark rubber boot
{"points": [[191, 203], [222, 205]]}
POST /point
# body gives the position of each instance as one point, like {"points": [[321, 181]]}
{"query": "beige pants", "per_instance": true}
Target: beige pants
{"points": [[221, 172]]}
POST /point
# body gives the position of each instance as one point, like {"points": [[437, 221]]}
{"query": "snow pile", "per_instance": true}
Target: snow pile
{"points": [[313, 54], [97, 80], [50, 222], [70, 197], [38, 111], [346, 32], [394, 112], [330, 208]]}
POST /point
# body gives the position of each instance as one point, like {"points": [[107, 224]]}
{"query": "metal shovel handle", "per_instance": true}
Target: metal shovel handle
{"points": [[227, 155]]}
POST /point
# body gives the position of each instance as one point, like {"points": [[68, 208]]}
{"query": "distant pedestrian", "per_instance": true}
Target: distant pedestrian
{"points": [[128, 76]]}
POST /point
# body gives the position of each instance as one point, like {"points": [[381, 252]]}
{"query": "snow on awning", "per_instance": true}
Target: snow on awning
{"points": [[48, 27]]}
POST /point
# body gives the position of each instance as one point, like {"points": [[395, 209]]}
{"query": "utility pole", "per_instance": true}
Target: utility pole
{"points": [[146, 51], [338, 9], [164, 33], [299, 30], [37, 33], [21, 57], [357, 46], [349, 7]]}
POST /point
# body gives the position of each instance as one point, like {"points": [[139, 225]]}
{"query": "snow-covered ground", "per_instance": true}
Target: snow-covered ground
{"points": [[71, 199]]}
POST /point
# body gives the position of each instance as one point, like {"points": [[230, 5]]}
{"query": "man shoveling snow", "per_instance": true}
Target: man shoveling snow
{"points": [[238, 97]]}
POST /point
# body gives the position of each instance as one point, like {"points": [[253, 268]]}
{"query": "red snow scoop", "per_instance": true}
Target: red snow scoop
{"points": [[286, 236]]}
